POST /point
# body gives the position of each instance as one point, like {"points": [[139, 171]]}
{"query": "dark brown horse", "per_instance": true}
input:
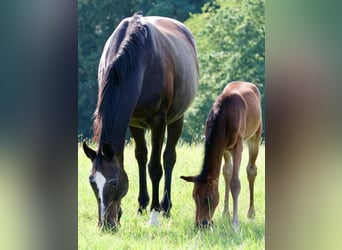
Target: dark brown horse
{"points": [[234, 117], [148, 77]]}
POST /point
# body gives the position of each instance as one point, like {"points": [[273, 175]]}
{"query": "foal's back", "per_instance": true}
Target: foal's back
{"points": [[236, 114], [240, 111]]}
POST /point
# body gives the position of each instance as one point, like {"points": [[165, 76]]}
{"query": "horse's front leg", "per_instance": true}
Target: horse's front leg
{"points": [[141, 157], [154, 167], [174, 131]]}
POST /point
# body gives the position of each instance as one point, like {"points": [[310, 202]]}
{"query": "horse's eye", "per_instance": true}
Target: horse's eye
{"points": [[91, 178], [113, 182]]}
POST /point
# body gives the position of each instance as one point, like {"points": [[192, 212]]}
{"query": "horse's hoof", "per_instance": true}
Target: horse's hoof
{"points": [[226, 214], [154, 218], [141, 211], [109, 227], [166, 214], [251, 213]]}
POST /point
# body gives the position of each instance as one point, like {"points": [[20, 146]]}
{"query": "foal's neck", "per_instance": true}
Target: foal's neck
{"points": [[212, 160]]}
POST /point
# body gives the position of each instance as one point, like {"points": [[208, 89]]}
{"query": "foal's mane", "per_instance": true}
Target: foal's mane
{"points": [[130, 45], [210, 130], [225, 104]]}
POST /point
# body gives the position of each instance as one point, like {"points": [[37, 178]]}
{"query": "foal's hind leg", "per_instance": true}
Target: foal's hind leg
{"points": [[253, 147], [174, 131], [141, 156], [227, 171]]}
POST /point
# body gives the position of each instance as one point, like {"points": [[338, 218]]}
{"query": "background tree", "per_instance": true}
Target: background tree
{"points": [[230, 38]]}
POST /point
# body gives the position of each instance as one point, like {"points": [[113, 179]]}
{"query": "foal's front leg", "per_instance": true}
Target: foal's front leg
{"points": [[235, 185], [227, 171]]}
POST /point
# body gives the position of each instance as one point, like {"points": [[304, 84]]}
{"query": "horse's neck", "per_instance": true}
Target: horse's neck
{"points": [[115, 119], [212, 159]]}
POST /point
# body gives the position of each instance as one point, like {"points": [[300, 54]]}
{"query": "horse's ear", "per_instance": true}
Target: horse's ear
{"points": [[91, 154], [107, 150], [189, 178]]}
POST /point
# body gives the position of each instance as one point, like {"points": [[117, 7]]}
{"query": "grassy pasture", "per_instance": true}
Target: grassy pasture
{"points": [[177, 232]]}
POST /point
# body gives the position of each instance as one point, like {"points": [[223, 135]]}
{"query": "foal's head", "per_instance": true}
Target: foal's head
{"points": [[206, 196], [109, 182]]}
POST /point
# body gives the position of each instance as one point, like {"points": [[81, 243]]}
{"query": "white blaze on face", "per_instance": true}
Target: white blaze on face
{"points": [[100, 181]]}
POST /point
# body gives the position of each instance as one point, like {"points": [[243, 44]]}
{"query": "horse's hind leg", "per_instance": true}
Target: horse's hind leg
{"points": [[253, 147], [227, 171], [174, 131], [141, 156]]}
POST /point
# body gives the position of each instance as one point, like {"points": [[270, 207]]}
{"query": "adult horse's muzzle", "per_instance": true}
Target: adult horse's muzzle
{"points": [[108, 225], [204, 224], [111, 218]]}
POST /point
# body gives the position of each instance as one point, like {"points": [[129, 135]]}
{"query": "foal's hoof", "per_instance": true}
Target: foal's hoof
{"points": [[251, 213], [235, 224], [236, 227], [226, 214], [204, 225]]}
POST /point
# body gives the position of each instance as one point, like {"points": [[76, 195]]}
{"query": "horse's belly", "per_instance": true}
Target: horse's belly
{"points": [[139, 123]]}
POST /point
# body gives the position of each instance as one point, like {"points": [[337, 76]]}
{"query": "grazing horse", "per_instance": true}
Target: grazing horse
{"points": [[234, 117], [148, 77]]}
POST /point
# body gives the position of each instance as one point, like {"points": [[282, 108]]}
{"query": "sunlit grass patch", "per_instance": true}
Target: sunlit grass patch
{"points": [[177, 232]]}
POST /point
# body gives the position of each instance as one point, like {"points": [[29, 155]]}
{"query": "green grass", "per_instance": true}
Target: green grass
{"points": [[177, 232]]}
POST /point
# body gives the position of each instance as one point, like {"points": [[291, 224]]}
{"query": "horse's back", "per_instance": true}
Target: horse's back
{"points": [[173, 30], [245, 101], [177, 50]]}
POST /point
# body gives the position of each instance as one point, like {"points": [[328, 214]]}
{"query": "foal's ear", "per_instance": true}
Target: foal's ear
{"points": [[91, 154], [189, 178], [107, 150]]}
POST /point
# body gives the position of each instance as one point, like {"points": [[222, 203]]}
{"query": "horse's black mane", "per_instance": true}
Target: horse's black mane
{"points": [[124, 60], [131, 46]]}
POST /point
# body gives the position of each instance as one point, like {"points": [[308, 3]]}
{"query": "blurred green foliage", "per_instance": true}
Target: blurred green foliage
{"points": [[230, 37]]}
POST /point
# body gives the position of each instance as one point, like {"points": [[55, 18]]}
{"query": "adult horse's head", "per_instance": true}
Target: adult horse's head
{"points": [[109, 182], [206, 196]]}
